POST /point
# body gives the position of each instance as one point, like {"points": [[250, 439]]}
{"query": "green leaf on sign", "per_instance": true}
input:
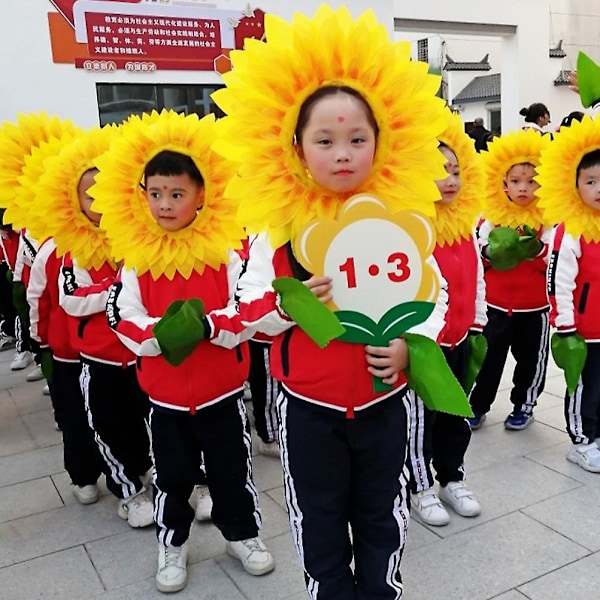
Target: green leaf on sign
{"points": [[402, 317], [360, 329]]}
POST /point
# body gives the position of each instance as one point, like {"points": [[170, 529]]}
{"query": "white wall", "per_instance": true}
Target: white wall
{"points": [[523, 57], [30, 81]]}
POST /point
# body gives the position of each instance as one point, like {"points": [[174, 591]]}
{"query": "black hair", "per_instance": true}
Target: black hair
{"points": [[169, 162], [534, 111], [576, 115], [591, 159], [323, 92]]}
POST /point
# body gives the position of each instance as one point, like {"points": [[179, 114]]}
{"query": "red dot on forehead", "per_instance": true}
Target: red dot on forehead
{"points": [[341, 119], [165, 187]]}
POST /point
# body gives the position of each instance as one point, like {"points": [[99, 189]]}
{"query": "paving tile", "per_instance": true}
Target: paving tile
{"points": [[40, 577], [502, 551], [505, 488], [206, 581], [59, 529], [8, 408], [573, 514], [62, 482], [580, 579], [552, 416], [15, 437], [286, 576], [28, 397], [42, 428], [512, 595], [31, 465], [28, 498], [267, 472]]}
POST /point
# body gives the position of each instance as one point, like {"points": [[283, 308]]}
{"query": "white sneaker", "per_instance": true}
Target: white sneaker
{"points": [[6, 341], [171, 575], [268, 448], [35, 375], [137, 510], [428, 508], [459, 498], [587, 456], [86, 494], [204, 503], [247, 393], [253, 555], [46, 390], [21, 360]]}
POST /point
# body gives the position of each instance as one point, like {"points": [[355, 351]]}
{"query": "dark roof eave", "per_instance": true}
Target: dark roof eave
{"points": [[458, 100]]}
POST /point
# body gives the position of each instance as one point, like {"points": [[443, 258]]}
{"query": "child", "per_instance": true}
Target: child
{"points": [[573, 278], [515, 276], [116, 407], [437, 437], [197, 406], [343, 445]]}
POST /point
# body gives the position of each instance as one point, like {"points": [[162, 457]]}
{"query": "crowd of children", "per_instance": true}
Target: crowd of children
{"points": [[145, 289]]}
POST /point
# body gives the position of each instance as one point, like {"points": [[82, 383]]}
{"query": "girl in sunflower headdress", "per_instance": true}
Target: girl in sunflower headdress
{"points": [[160, 191], [328, 107], [570, 195], [438, 437], [514, 247]]}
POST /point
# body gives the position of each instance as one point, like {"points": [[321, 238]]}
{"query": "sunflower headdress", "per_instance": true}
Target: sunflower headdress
{"points": [[34, 136], [262, 99], [56, 211], [457, 220], [557, 174], [516, 147], [135, 237]]}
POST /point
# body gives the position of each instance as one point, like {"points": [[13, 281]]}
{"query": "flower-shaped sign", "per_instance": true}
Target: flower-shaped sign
{"points": [[381, 282]]}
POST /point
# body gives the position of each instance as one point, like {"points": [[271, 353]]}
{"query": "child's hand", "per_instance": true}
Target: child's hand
{"points": [[320, 287], [573, 84], [387, 362]]}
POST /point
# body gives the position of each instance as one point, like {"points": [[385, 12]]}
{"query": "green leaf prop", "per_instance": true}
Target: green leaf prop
{"points": [[180, 329], [361, 329], [530, 244], [588, 80], [309, 313], [477, 351], [430, 377], [569, 353], [46, 364], [504, 248]]}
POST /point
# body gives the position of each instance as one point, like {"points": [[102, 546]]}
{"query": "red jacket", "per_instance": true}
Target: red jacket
{"points": [[9, 240], [574, 285], [522, 289], [335, 376], [83, 294], [49, 322], [461, 267], [218, 366]]}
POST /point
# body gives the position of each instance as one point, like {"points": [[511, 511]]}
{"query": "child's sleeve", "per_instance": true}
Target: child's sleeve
{"points": [[481, 317], [483, 233], [128, 317], [226, 326], [258, 301], [562, 273], [434, 325], [78, 295], [38, 296]]}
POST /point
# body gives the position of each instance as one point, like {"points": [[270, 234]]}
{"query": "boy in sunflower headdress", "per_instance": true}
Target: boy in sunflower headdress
{"points": [[173, 305], [514, 247], [570, 195], [439, 438]]}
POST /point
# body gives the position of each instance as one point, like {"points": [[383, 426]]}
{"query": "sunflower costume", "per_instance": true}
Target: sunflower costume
{"points": [[514, 246], [262, 99], [573, 273]]}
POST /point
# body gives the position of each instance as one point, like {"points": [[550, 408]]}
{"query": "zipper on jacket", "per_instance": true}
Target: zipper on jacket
{"points": [[583, 300]]}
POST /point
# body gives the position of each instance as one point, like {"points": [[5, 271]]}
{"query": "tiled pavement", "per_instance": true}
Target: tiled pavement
{"points": [[538, 536]]}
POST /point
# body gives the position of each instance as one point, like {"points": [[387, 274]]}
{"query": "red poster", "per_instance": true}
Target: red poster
{"points": [[146, 37]]}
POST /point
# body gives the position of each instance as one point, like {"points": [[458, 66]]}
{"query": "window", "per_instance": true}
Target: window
{"points": [[117, 102], [423, 50]]}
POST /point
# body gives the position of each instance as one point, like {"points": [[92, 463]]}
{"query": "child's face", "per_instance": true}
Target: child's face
{"points": [[174, 200], [588, 186], [85, 201], [520, 185], [338, 143], [449, 186]]}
